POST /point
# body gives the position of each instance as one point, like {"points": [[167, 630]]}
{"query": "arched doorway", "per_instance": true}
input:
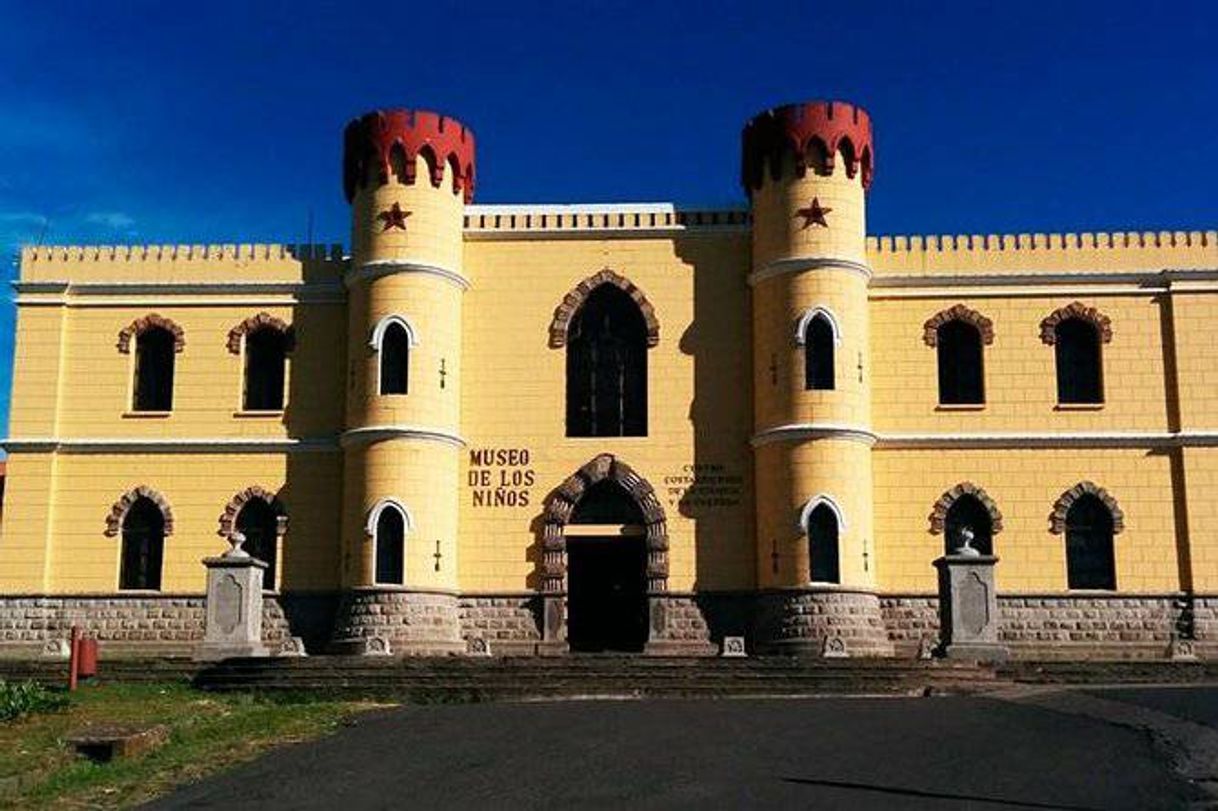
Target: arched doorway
{"points": [[606, 572], [606, 549]]}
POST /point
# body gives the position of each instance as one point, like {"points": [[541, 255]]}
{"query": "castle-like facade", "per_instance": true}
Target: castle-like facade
{"points": [[618, 427]]}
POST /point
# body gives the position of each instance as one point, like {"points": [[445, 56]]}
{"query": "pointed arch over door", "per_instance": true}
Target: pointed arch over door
{"points": [[560, 507]]}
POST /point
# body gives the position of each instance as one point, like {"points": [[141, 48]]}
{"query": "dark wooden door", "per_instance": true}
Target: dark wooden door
{"points": [[607, 594]]}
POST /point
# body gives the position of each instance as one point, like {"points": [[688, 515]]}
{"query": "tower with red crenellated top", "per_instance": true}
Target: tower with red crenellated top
{"points": [[806, 168], [407, 175]]}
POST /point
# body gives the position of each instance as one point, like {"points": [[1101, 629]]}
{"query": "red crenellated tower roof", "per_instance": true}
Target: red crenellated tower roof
{"points": [[833, 127], [370, 140]]}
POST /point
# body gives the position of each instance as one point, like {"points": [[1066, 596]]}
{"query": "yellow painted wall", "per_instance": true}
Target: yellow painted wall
{"points": [[508, 393]]}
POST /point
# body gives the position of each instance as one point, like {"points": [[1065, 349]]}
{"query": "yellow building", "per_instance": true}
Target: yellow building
{"points": [[618, 427]]}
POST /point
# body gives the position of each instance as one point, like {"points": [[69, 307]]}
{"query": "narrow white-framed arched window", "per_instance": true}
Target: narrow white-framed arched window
{"points": [[819, 333], [392, 339], [388, 523], [822, 521]]}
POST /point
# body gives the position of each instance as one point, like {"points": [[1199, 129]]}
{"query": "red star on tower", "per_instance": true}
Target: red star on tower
{"points": [[393, 217], [814, 214]]}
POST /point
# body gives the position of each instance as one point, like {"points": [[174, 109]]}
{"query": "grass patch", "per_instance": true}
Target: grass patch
{"points": [[207, 732]]}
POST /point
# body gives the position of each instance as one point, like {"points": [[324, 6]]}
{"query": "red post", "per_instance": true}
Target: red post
{"points": [[73, 655], [86, 658]]}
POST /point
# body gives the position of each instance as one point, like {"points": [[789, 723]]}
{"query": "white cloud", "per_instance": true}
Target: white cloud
{"points": [[22, 218], [116, 220]]}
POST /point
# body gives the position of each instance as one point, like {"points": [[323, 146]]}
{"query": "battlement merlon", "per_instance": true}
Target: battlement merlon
{"points": [[176, 264], [373, 141], [814, 131]]}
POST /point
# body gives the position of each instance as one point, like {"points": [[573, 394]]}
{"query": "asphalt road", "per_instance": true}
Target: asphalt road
{"points": [[855, 753]]}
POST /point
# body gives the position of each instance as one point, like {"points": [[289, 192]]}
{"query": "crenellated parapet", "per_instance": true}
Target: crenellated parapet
{"points": [[383, 142], [1040, 253], [816, 132]]}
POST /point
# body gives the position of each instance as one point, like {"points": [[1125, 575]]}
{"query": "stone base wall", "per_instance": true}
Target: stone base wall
{"points": [[1045, 626], [509, 623], [813, 621], [412, 623], [1056, 626], [164, 624]]}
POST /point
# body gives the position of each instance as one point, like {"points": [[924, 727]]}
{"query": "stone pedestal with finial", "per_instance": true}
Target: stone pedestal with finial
{"points": [[234, 605], [968, 604]]}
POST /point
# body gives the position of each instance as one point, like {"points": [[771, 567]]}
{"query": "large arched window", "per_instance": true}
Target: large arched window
{"points": [[154, 360], [607, 366], [259, 523], [961, 365], [1079, 368], [819, 338], [143, 532], [395, 359], [968, 511], [1089, 554], [265, 360], [389, 542], [822, 528]]}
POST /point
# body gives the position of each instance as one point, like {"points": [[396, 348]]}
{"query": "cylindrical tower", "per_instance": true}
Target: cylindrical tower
{"points": [[806, 168], [407, 175]]}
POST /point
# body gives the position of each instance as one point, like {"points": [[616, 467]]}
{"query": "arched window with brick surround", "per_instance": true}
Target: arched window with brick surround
{"points": [[607, 337], [959, 335], [157, 341], [265, 342], [1090, 518], [143, 546], [1077, 334]]}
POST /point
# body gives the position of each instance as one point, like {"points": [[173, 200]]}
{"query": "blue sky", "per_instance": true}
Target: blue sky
{"points": [[221, 121]]}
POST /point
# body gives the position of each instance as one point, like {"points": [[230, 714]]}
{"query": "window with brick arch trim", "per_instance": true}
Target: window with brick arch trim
{"points": [[823, 559], [961, 364], [259, 523], [154, 362], [265, 363], [968, 511], [607, 366], [395, 360], [1077, 353], [143, 546], [819, 340], [390, 543], [1090, 562]]}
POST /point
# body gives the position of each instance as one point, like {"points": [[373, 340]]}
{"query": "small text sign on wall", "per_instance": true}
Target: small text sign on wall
{"points": [[500, 477], [703, 486]]}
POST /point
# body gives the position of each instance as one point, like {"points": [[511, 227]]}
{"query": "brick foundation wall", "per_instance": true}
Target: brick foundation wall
{"points": [[800, 621], [501, 618], [1057, 626], [1033, 626], [412, 622], [169, 624]]}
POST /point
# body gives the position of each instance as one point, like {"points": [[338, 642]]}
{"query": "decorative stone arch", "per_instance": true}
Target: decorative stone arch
{"points": [[561, 503], [938, 515], [382, 326], [118, 511], [821, 499], [1075, 309], [574, 300], [228, 519], [1061, 507], [957, 312], [801, 326], [150, 321], [257, 322]]}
